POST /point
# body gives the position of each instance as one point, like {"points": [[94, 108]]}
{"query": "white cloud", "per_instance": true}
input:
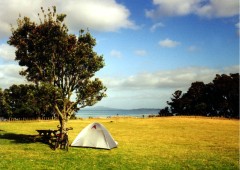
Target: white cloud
{"points": [[219, 8], [9, 75], [168, 43], [11, 9], [171, 8], [238, 25], [7, 52], [238, 28], [204, 8], [140, 52], [104, 15], [231, 69], [156, 26], [116, 53], [192, 48]]}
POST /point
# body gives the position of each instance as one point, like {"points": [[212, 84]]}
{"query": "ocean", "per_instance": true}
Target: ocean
{"points": [[118, 112]]}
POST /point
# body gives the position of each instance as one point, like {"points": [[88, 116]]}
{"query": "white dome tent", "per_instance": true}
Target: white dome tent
{"points": [[95, 135]]}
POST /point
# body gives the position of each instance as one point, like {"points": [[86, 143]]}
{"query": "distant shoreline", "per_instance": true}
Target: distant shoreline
{"points": [[109, 108], [116, 113]]}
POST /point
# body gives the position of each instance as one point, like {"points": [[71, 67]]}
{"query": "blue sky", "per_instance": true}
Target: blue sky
{"points": [[151, 47]]}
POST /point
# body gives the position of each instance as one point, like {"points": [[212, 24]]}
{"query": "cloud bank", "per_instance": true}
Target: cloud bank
{"points": [[180, 78], [7, 52], [147, 89], [9, 75], [154, 89]]}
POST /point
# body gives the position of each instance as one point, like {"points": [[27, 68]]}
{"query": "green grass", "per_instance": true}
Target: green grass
{"points": [[157, 143]]}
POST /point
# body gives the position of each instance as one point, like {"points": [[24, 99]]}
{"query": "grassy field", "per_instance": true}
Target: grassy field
{"points": [[156, 143]]}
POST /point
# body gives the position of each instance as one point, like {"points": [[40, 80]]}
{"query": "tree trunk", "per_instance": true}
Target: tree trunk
{"points": [[63, 124], [63, 116]]}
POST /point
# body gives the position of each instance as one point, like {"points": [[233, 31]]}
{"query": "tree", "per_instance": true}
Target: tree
{"points": [[227, 92], [27, 101], [1, 103], [164, 112], [218, 98], [175, 104], [21, 101], [4, 107], [17, 101], [45, 96], [65, 62], [196, 94]]}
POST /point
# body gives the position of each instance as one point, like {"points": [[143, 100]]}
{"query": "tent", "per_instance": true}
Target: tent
{"points": [[95, 135]]}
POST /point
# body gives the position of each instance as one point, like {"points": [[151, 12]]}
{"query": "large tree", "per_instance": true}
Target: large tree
{"points": [[64, 61]]}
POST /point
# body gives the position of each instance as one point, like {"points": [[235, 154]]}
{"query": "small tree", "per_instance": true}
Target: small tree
{"points": [[4, 107], [175, 104], [67, 63]]}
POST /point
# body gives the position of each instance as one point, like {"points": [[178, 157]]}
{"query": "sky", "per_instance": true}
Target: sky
{"points": [[151, 48]]}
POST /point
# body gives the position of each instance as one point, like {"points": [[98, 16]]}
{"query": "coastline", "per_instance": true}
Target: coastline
{"points": [[139, 113]]}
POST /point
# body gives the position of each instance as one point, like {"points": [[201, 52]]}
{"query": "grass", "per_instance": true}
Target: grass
{"points": [[157, 143]]}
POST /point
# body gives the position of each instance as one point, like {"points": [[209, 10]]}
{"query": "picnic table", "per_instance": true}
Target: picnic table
{"points": [[46, 135]]}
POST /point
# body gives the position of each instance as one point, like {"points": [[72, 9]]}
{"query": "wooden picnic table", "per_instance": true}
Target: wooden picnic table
{"points": [[47, 134]]}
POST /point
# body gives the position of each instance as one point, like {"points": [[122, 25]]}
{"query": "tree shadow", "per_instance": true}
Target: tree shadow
{"points": [[26, 139], [18, 138]]}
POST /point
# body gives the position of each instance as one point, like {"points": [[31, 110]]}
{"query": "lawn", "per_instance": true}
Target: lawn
{"points": [[150, 143]]}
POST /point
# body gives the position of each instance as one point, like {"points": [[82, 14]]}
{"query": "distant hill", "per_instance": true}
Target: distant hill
{"points": [[100, 108], [146, 109]]}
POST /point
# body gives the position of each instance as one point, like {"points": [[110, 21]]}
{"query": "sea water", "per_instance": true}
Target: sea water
{"points": [[114, 113]]}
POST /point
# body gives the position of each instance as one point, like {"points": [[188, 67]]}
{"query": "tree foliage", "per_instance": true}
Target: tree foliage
{"points": [[64, 61], [27, 101], [218, 98], [5, 111]]}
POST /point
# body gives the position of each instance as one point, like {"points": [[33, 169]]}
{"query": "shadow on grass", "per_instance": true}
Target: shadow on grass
{"points": [[18, 138], [27, 139], [24, 139]]}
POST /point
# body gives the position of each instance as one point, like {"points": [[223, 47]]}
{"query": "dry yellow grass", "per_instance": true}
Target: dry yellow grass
{"points": [[156, 143]]}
